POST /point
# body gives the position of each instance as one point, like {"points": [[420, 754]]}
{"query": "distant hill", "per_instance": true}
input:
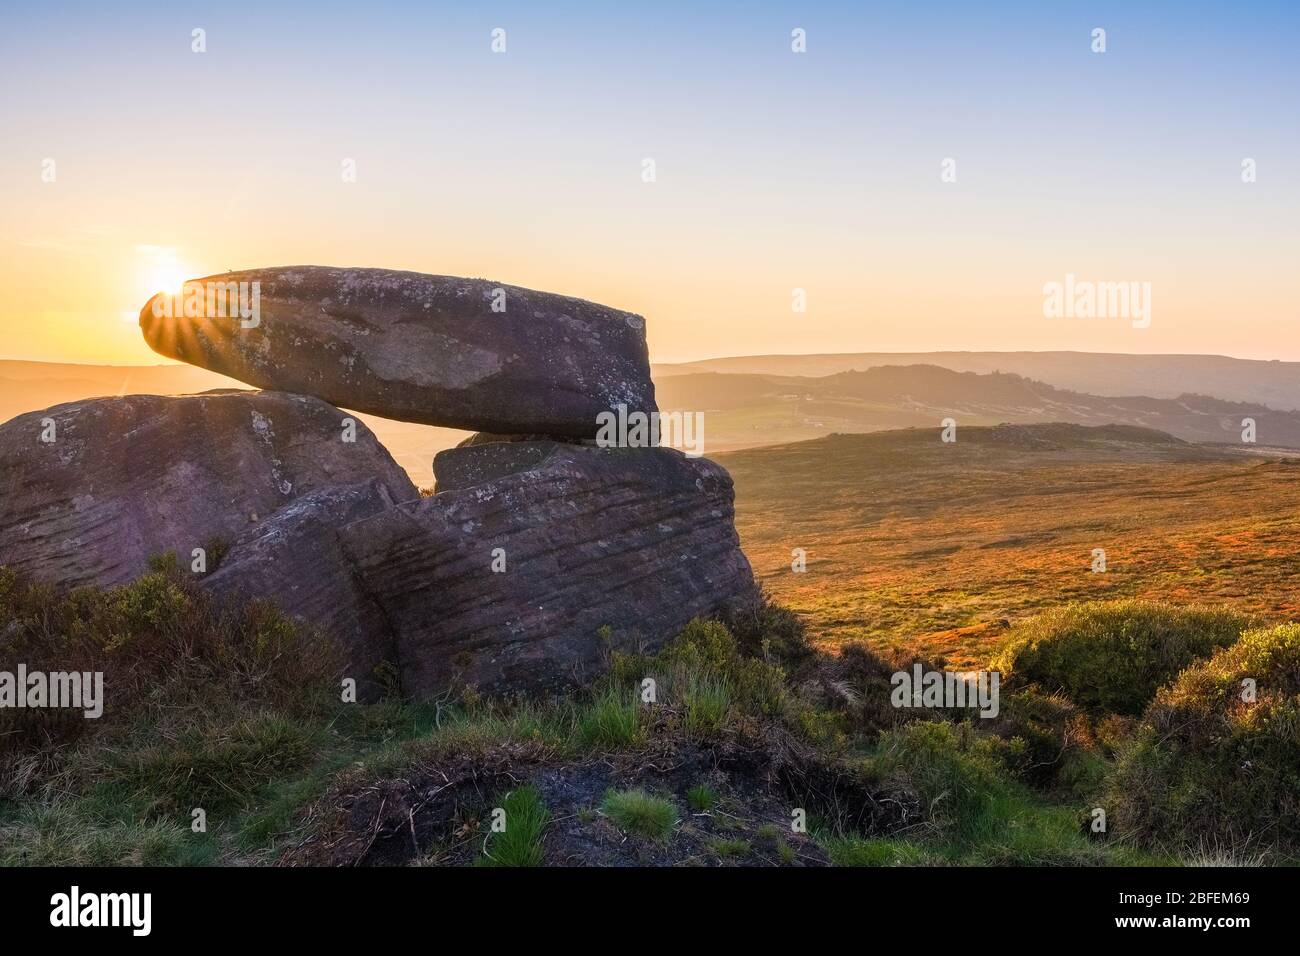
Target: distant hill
{"points": [[744, 410], [747, 410], [1275, 384], [910, 542]]}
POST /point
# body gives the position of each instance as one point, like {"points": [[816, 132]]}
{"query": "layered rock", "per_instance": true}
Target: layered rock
{"points": [[126, 478], [293, 559], [467, 465], [508, 582], [461, 353]]}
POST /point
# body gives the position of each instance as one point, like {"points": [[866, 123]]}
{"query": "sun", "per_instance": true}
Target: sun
{"points": [[166, 276], [162, 270]]}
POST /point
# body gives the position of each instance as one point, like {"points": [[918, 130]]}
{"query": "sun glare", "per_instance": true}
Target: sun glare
{"points": [[161, 270], [166, 277]]}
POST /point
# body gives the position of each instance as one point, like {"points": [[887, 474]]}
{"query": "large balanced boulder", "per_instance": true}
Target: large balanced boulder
{"points": [[90, 490], [510, 583], [293, 559], [462, 353]]}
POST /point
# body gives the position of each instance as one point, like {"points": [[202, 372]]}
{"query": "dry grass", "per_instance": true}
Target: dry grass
{"points": [[909, 539]]}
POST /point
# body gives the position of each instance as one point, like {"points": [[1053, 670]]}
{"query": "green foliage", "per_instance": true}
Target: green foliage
{"points": [[1207, 766], [611, 719], [216, 768], [768, 630], [1113, 656], [639, 813], [856, 851], [701, 798], [171, 660], [953, 770], [520, 843], [1048, 742], [731, 847]]}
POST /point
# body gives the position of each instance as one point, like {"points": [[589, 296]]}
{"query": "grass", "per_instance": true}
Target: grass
{"points": [[239, 715], [731, 848], [525, 821], [908, 540], [612, 719], [701, 798], [639, 813]]}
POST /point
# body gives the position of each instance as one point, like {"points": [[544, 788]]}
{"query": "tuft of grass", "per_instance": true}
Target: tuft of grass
{"points": [[520, 843], [611, 719], [730, 848], [637, 812], [701, 798], [705, 702], [1112, 656]]}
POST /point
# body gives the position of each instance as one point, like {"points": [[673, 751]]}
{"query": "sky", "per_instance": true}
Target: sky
{"points": [[774, 171]]}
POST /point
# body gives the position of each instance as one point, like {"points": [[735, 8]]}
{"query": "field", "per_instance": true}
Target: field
{"points": [[909, 539]]}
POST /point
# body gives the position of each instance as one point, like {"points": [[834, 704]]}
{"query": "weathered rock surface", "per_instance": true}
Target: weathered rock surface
{"points": [[293, 559], [424, 348], [639, 540], [126, 478], [468, 465]]}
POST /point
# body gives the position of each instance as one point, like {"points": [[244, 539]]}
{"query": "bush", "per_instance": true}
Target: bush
{"points": [[768, 630], [172, 660], [952, 769], [1113, 656], [861, 685], [1209, 768], [1048, 742]]}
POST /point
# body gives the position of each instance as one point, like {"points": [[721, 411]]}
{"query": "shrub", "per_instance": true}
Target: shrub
{"points": [[172, 661], [861, 685], [953, 770], [768, 630], [1048, 742], [1206, 766], [635, 811], [520, 843], [1113, 656]]}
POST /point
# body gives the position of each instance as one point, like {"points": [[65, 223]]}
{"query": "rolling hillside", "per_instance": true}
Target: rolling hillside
{"points": [[1275, 384], [913, 542], [747, 410]]}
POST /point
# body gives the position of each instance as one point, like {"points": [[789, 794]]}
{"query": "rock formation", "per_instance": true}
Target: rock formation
{"points": [[508, 582], [294, 559], [538, 550], [90, 490], [462, 353]]}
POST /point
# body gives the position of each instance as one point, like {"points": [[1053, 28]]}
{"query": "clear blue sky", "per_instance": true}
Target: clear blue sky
{"points": [[775, 170]]}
